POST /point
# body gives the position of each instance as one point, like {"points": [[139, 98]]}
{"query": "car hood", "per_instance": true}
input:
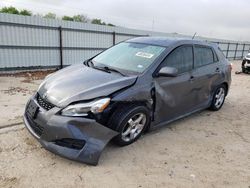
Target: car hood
{"points": [[79, 82]]}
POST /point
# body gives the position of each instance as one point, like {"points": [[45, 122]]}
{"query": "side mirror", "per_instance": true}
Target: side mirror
{"points": [[168, 72]]}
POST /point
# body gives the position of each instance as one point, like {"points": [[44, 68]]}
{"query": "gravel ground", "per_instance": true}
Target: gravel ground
{"points": [[206, 149]]}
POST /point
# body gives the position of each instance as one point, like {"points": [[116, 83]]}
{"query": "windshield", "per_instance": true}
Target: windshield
{"points": [[132, 57]]}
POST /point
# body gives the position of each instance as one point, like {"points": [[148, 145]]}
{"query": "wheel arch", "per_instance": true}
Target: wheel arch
{"points": [[145, 103], [226, 86], [121, 104]]}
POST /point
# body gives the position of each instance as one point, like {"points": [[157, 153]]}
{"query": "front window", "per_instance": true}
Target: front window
{"points": [[131, 57], [180, 58]]}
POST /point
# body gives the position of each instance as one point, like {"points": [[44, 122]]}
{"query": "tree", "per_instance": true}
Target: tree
{"points": [[98, 22], [81, 18], [67, 18], [9, 10], [112, 25], [13, 10], [50, 15], [25, 12], [76, 18]]}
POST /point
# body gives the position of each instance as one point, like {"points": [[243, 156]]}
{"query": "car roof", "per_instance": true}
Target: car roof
{"points": [[166, 41]]}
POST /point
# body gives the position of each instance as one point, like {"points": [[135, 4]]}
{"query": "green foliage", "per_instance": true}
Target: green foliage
{"points": [[9, 10], [100, 22], [25, 12], [67, 18], [112, 25], [50, 15], [80, 18], [13, 10], [76, 18]]}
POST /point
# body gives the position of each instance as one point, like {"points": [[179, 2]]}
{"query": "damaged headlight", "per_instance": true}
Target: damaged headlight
{"points": [[82, 109]]}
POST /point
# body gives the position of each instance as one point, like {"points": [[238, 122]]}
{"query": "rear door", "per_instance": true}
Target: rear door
{"points": [[206, 74], [174, 95]]}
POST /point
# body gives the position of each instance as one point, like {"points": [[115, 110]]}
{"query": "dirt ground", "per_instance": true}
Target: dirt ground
{"points": [[206, 149]]}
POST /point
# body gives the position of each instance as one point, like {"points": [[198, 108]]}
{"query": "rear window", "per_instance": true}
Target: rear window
{"points": [[203, 56]]}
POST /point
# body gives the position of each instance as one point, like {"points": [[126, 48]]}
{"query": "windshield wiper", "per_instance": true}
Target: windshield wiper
{"points": [[90, 63], [110, 69]]}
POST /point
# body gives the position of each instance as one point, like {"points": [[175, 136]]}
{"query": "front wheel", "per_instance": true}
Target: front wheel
{"points": [[218, 98], [130, 121]]}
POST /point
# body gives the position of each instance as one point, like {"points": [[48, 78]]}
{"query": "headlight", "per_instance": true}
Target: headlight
{"points": [[82, 109]]}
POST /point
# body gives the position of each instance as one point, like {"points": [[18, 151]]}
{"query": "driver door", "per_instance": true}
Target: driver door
{"points": [[175, 95]]}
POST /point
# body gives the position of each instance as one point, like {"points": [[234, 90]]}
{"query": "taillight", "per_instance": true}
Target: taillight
{"points": [[231, 66]]}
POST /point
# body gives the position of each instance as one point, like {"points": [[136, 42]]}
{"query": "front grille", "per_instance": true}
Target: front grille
{"points": [[70, 143], [43, 103], [38, 129]]}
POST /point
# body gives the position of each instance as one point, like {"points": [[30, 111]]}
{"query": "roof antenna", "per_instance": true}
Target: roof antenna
{"points": [[153, 24], [194, 36]]}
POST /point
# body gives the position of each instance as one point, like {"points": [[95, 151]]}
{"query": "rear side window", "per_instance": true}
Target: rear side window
{"points": [[215, 57], [221, 52], [180, 58], [203, 56]]}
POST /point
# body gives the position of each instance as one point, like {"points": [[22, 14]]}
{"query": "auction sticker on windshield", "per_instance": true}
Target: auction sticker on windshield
{"points": [[144, 54]]}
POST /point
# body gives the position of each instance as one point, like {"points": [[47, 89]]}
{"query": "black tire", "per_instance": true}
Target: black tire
{"points": [[119, 121], [214, 106], [243, 66]]}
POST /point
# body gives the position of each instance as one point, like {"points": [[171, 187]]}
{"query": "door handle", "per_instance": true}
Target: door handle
{"points": [[217, 70], [191, 78]]}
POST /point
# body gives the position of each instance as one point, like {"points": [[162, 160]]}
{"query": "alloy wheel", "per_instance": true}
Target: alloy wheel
{"points": [[134, 127], [219, 97]]}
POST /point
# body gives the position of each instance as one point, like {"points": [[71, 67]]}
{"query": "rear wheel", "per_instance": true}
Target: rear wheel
{"points": [[218, 98], [130, 121]]}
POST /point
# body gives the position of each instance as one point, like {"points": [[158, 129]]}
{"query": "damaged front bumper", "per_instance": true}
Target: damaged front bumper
{"points": [[75, 138]]}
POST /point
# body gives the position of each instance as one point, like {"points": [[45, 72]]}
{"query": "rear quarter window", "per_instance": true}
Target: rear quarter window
{"points": [[216, 59], [203, 56], [221, 53]]}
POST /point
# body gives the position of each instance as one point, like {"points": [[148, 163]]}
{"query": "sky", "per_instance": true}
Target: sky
{"points": [[224, 19]]}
